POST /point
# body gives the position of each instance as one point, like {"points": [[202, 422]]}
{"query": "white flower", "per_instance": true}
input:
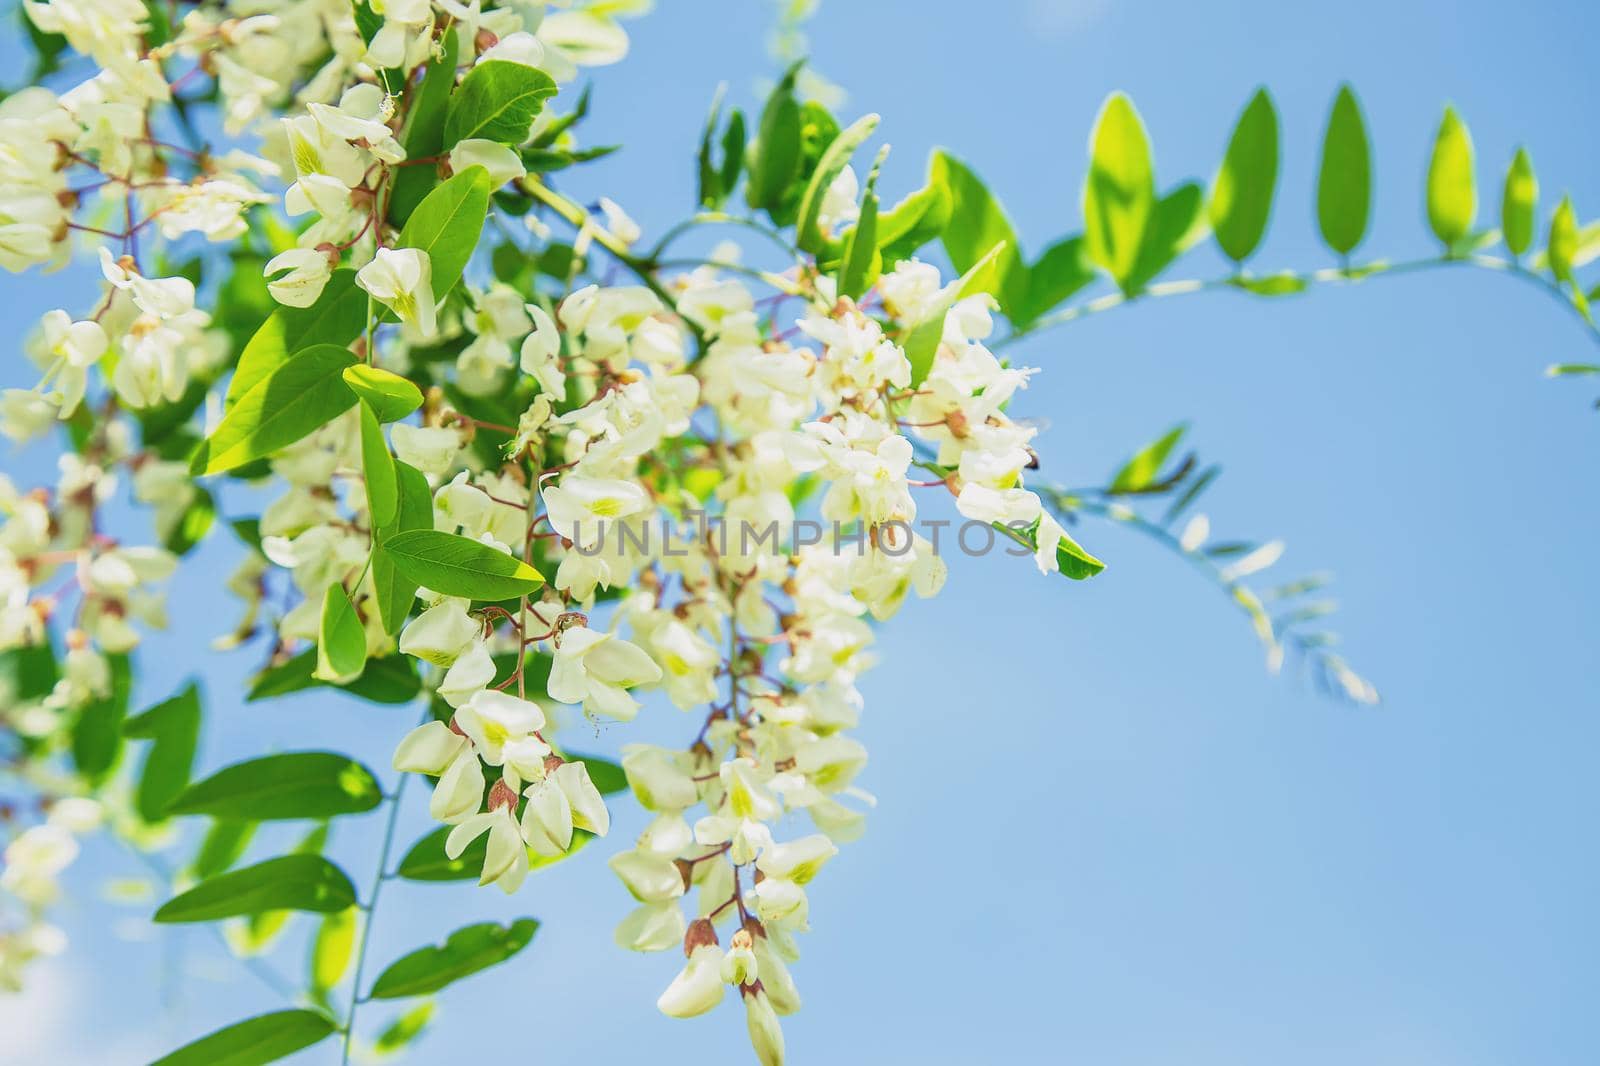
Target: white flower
{"points": [[431, 449], [596, 669], [501, 162], [495, 719], [541, 353], [505, 862], [582, 509], [441, 633], [459, 793], [766, 1036], [402, 280], [302, 274], [652, 927], [651, 878], [588, 808], [547, 819], [698, 986], [428, 749]]}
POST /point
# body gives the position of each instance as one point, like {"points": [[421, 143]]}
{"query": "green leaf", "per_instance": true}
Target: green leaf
{"points": [[424, 132], [922, 344], [341, 640], [977, 225], [331, 949], [1452, 190], [808, 233], [1076, 563], [427, 861], [1142, 470], [97, 733], [919, 218], [447, 224], [265, 1038], [1563, 241], [174, 727], [1344, 182], [716, 182], [291, 402], [459, 566], [1241, 195], [193, 524], [1519, 204], [1062, 270], [302, 784], [497, 101], [377, 469], [467, 950], [1177, 223], [394, 591], [404, 1029], [391, 679], [860, 264], [223, 845], [776, 152], [338, 317], [1119, 198], [390, 396], [287, 883]]}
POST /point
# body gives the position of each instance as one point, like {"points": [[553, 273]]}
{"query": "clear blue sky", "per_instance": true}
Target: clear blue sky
{"points": [[1106, 835]]}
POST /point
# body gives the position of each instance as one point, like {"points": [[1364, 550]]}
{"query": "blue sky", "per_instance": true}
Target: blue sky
{"points": [[1106, 835]]}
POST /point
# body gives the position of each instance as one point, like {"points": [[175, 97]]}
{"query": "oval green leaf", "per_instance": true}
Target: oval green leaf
{"points": [[1344, 181], [301, 784], [289, 883], [394, 592], [173, 726], [338, 317], [447, 224], [1519, 204], [467, 951], [295, 399], [497, 101], [1452, 190], [1563, 242], [341, 640], [265, 1038], [808, 233], [1241, 195], [459, 566], [1119, 196], [391, 396], [377, 469]]}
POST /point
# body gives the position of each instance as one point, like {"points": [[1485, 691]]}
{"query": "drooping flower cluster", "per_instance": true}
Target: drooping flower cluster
{"points": [[719, 490]]}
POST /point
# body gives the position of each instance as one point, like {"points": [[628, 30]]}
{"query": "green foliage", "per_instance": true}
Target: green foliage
{"points": [[1562, 244], [774, 158], [497, 101], [808, 233], [289, 883], [459, 566], [394, 591], [305, 784], [292, 401], [332, 949], [861, 262], [223, 845], [173, 727], [1119, 197], [447, 223], [424, 130], [337, 317], [1520, 204], [465, 952], [377, 469], [390, 396], [1344, 180], [401, 1032], [263, 1039], [1241, 195], [97, 733], [1140, 473], [717, 181], [341, 641], [1452, 189], [390, 679]]}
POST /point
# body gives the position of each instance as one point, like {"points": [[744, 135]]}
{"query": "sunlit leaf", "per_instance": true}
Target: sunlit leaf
{"points": [[1344, 180], [1452, 189], [1119, 196], [465, 952], [289, 883], [305, 784], [1241, 195], [459, 566], [263, 1039], [1519, 204]]}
